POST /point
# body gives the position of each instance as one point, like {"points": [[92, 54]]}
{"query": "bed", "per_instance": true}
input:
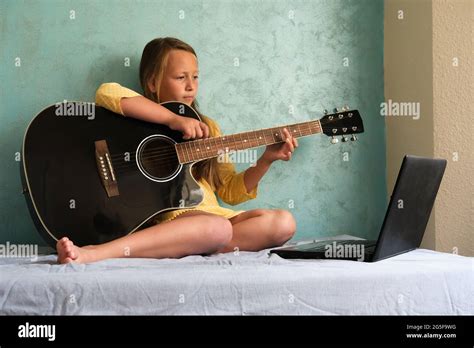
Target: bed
{"points": [[420, 282]]}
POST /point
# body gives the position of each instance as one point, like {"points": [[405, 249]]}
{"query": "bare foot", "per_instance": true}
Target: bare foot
{"points": [[68, 252]]}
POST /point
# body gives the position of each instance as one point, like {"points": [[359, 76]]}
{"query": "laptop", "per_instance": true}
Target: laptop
{"points": [[404, 224]]}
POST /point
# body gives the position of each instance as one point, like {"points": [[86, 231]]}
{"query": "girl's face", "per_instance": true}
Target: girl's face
{"points": [[180, 80]]}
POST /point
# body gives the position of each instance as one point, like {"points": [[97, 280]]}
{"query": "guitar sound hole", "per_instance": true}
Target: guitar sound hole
{"points": [[157, 158]]}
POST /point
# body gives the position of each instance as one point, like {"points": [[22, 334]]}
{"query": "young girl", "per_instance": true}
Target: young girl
{"points": [[169, 72]]}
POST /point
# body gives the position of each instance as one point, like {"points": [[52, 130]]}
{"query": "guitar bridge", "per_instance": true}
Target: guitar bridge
{"points": [[105, 168]]}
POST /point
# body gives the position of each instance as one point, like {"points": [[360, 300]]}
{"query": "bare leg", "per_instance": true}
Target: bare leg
{"points": [[192, 234], [259, 229]]}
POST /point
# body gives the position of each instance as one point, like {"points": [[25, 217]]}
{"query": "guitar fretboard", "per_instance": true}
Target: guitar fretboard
{"points": [[197, 150]]}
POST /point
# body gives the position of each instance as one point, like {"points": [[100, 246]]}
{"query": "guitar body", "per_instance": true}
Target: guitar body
{"points": [[62, 179]]}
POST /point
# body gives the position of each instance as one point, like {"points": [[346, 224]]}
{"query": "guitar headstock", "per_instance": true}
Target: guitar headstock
{"points": [[342, 122]]}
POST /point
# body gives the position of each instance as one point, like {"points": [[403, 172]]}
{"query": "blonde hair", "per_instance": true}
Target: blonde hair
{"points": [[152, 68]]}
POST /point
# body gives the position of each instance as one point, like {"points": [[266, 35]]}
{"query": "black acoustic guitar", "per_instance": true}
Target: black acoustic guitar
{"points": [[95, 176]]}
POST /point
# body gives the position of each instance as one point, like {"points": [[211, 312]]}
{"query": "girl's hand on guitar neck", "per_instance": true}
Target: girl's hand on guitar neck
{"points": [[190, 127], [281, 151]]}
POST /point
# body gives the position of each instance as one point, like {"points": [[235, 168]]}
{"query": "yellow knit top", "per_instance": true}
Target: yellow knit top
{"points": [[233, 190]]}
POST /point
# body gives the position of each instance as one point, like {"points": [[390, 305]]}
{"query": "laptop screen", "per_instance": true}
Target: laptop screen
{"points": [[410, 206]]}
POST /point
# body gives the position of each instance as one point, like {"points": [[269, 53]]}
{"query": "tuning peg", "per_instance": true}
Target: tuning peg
{"points": [[335, 110], [344, 139], [334, 140], [346, 107], [354, 137], [325, 111]]}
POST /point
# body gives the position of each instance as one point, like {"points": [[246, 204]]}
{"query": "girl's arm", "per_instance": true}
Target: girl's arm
{"points": [[146, 110], [253, 175], [127, 102], [236, 187], [272, 153]]}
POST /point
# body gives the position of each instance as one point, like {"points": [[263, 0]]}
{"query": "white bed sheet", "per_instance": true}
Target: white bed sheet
{"points": [[421, 282]]}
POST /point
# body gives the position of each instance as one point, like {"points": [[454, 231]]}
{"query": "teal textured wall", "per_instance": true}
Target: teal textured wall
{"points": [[291, 55]]}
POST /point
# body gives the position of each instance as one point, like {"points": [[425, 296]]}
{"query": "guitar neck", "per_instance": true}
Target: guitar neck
{"points": [[197, 150]]}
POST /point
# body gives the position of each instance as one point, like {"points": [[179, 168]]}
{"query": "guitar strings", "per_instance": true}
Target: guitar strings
{"points": [[173, 159], [158, 149], [150, 155], [164, 153], [168, 155], [132, 163], [169, 159], [154, 154], [169, 150]]}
